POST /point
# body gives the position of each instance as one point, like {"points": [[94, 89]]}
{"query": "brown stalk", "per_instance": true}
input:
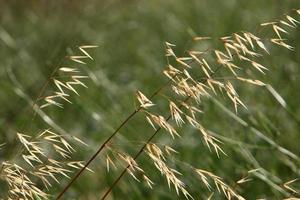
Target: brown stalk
{"points": [[144, 146], [109, 139], [136, 156], [106, 142]]}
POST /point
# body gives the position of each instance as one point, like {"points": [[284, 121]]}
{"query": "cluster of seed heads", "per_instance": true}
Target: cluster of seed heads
{"points": [[184, 93]]}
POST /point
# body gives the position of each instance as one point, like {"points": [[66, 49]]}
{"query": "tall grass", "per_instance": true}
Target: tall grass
{"points": [[209, 72]]}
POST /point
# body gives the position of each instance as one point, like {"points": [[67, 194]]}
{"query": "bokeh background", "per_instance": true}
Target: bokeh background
{"points": [[36, 36]]}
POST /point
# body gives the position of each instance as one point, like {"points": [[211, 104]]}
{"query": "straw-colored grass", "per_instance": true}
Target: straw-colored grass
{"points": [[210, 70]]}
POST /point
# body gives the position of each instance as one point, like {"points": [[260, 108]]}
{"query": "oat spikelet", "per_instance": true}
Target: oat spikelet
{"points": [[221, 186], [171, 72], [143, 100], [201, 38], [163, 123], [169, 50], [288, 187], [23, 177], [251, 81], [176, 113], [67, 79], [156, 155]]}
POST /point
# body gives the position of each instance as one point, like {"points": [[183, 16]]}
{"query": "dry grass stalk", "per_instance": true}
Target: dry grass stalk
{"points": [[69, 77], [221, 186], [47, 157], [44, 159], [188, 91], [239, 45], [156, 155]]}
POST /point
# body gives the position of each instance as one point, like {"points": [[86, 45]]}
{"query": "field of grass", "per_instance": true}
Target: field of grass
{"points": [[36, 37]]}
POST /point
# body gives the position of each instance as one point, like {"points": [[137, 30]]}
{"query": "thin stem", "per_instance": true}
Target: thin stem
{"points": [[110, 138], [96, 154], [106, 142], [135, 157], [44, 88], [144, 146]]}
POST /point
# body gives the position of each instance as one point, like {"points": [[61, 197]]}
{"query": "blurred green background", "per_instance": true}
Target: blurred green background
{"points": [[36, 36]]}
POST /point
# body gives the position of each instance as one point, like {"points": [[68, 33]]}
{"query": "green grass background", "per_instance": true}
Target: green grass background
{"points": [[36, 36]]}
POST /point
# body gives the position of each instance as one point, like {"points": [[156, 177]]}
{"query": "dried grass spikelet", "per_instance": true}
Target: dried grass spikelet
{"points": [[192, 120], [244, 46], [148, 181], [232, 94], [280, 28], [143, 100], [201, 38], [19, 184], [176, 113], [220, 185], [281, 42], [169, 50], [171, 72], [109, 162], [188, 87], [132, 167], [156, 155], [68, 79], [183, 61], [287, 185], [46, 158], [161, 122], [169, 150], [211, 141], [191, 109], [239, 47], [251, 81]]}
